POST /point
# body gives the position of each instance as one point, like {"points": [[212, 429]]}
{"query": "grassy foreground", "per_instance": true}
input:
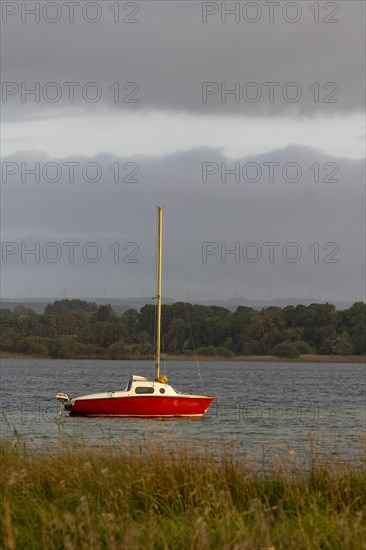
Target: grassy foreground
{"points": [[119, 498]]}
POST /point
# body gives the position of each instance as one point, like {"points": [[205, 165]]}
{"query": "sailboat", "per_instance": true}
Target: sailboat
{"points": [[142, 397]]}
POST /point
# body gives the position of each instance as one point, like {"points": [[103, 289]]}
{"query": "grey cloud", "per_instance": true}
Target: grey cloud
{"points": [[170, 52], [106, 212]]}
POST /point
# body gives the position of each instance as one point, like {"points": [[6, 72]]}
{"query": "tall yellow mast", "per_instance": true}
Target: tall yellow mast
{"points": [[160, 264]]}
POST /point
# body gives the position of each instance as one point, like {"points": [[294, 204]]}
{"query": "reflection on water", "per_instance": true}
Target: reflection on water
{"points": [[260, 407]]}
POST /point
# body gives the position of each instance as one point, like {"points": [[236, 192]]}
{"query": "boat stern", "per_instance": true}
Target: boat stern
{"points": [[65, 402]]}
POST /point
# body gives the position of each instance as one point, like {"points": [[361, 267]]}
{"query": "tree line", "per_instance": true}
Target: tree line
{"points": [[79, 329]]}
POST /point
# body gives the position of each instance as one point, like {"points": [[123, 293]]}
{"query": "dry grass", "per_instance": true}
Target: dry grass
{"points": [[13, 355], [116, 498], [309, 358]]}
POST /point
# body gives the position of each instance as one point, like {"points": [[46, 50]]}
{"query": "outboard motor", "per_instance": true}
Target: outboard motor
{"points": [[63, 398]]}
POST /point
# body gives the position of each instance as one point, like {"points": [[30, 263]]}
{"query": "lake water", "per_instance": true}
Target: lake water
{"points": [[260, 407]]}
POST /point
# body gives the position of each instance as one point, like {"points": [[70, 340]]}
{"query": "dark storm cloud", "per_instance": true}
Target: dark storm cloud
{"points": [[159, 62], [305, 212], [169, 52]]}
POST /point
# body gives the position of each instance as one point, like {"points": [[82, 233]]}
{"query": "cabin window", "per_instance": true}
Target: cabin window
{"points": [[162, 390], [144, 389]]}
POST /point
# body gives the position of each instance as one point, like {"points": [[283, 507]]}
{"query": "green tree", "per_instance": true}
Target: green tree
{"points": [[118, 350], [176, 336], [285, 350], [104, 314], [302, 347]]}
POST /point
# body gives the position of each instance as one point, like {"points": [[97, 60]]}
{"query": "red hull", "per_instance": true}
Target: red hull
{"points": [[147, 406]]}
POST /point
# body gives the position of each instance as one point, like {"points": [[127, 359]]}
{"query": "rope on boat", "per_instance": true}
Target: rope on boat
{"points": [[194, 349]]}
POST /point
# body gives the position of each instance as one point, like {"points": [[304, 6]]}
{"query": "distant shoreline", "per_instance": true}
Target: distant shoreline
{"points": [[310, 358]]}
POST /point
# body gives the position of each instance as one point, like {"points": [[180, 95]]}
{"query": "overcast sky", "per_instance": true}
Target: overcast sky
{"points": [[248, 125]]}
